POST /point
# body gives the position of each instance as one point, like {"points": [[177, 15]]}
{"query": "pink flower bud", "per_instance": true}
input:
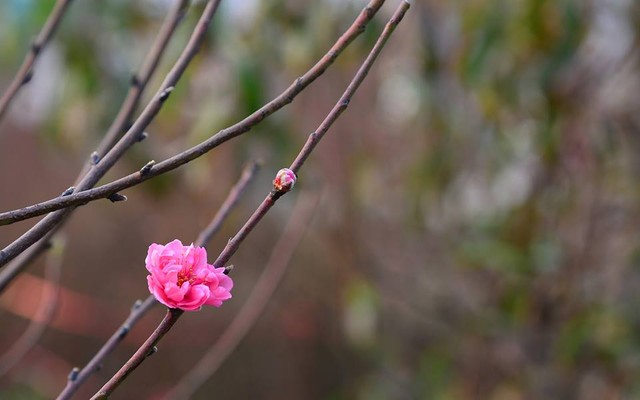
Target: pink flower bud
{"points": [[181, 278], [284, 181]]}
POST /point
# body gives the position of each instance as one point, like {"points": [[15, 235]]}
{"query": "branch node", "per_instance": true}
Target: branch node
{"points": [[147, 168], [152, 351], [68, 191], [116, 197], [135, 81], [228, 269], [164, 95], [36, 47], [27, 78], [143, 136], [73, 375], [345, 103], [95, 158], [136, 305], [124, 330]]}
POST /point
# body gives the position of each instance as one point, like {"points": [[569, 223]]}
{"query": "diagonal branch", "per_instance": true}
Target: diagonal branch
{"points": [[25, 72], [149, 346], [102, 166], [78, 376], [44, 315], [140, 79], [254, 305], [128, 107], [286, 97]]}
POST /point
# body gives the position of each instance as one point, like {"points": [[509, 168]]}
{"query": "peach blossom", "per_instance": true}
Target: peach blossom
{"points": [[180, 277]]}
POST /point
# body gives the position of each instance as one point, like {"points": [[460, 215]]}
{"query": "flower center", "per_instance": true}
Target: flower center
{"points": [[186, 276]]}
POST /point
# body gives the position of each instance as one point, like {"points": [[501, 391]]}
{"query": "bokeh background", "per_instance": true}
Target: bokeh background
{"points": [[478, 231]]}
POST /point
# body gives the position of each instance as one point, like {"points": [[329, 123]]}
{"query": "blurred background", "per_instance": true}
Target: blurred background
{"points": [[477, 235]]}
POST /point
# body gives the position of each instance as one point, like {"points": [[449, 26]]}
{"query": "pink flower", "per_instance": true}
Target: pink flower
{"points": [[284, 181], [181, 278]]}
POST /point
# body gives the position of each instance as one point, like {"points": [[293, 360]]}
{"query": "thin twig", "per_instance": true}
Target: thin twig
{"points": [[15, 268], [243, 126], [78, 376], [147, 349], [254, 305], [263, 208], [138, 84], [140, 79], [102, 166], [232, 199], [315, 137], [44, 315], [26, 70]]}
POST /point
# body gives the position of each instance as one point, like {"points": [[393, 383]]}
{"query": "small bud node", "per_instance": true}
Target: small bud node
{"points": [[147, 167], [284, 181], [116, 197]]}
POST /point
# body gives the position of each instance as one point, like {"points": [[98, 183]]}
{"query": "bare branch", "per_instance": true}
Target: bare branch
{"points": [[44, 315], [97, 171], [26, 71], [140, 79], [147, 349], [255, 303], [286, 97], [230, 202], [315, 137], [78, 376], [173, 314]]}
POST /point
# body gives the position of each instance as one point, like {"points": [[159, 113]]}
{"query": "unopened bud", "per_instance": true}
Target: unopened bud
{"points": [[284, 181]]}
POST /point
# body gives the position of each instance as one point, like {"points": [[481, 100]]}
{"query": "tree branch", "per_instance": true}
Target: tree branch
{"points": [[44, 315], [286, 97], [26, 71], [254, 305], [140, 79], [78, 376], [147, 349], [118, 126], [263, 208], [101, 166]]}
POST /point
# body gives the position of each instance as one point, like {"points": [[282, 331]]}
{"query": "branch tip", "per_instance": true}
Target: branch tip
{"points": [[136, 305], [228, 269]]}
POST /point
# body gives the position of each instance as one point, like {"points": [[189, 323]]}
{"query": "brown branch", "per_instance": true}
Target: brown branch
{"points": [[78, 376], [101, 166], [263, 208], [254, 305], [140, 80], [17, 266], [315, 137], [232, 199], [138, 85], [44, 315], [286, 97], [147, 349], [26, 70]]}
